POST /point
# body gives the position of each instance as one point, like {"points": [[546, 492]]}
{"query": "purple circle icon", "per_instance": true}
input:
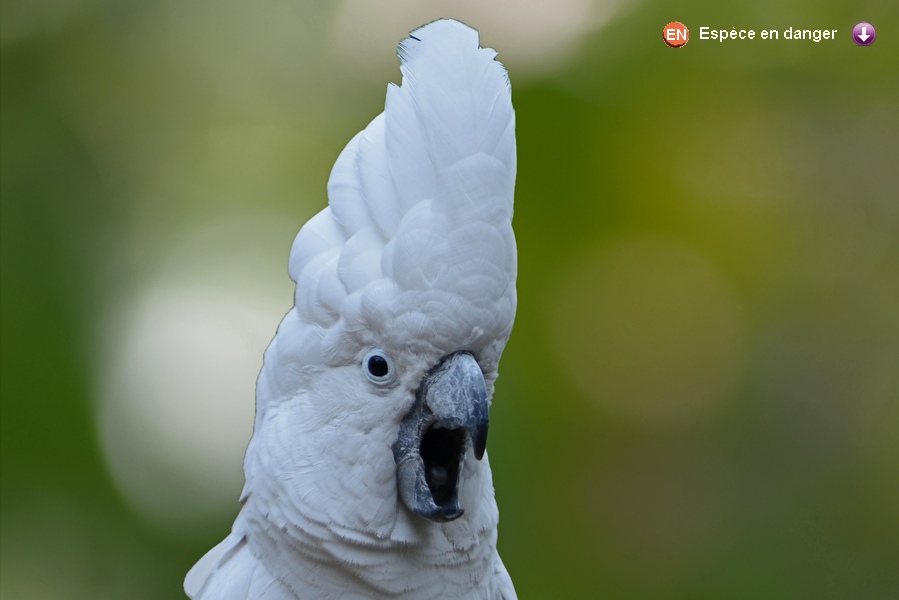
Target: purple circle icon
{"points": [[864, 34]]}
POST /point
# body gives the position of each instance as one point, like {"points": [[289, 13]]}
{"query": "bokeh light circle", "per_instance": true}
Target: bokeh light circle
{"points": [[180, 355]]}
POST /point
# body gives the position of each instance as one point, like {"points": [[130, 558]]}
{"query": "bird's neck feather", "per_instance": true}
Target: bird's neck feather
{"points": [[336, 514]]}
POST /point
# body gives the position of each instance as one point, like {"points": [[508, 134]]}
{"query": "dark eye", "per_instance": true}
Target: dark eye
{"points": [[378, 367]]}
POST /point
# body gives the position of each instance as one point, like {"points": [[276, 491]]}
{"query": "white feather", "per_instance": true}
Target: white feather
{"points": [[415, 255]]}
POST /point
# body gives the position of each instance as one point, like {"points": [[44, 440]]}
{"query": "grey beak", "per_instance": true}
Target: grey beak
{"points": [[450, 410], [457, 395]]}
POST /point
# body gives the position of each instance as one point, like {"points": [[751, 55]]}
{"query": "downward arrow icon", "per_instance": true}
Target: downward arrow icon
{"points": [[864, 34]]}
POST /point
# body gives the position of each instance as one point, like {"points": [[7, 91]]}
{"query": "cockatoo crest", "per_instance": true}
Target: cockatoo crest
{"points": [[418, 238]]}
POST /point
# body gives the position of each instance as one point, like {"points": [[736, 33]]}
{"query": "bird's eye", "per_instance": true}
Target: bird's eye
{"points": [[378, 367]]}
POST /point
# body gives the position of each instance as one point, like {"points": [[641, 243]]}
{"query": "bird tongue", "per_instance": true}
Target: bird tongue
{"points": [[437, 475]]}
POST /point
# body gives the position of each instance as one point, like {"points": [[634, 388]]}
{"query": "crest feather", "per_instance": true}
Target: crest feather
{"points": [[421, 198]]}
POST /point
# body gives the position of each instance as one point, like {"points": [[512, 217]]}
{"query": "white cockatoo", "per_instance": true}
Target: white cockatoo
{"points": [[366, 475]]}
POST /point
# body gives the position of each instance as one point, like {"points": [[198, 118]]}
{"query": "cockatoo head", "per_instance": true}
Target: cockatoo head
{"points": [[372, 405]]}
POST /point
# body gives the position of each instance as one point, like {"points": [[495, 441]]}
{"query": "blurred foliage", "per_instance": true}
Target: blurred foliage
{"points": [[768, 171]]}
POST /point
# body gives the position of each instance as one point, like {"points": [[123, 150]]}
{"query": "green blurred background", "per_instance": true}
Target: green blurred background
{"points": [[701, 395]]}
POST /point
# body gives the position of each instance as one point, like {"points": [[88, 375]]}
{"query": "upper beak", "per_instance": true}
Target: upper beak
{"points": [[451, 409], [457, 395]]}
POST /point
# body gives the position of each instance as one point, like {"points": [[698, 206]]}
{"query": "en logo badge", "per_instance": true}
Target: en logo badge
{"points": [[676, 34]]}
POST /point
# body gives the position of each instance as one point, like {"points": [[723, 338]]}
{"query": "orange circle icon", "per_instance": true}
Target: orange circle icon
{"points": [[676, 34]]}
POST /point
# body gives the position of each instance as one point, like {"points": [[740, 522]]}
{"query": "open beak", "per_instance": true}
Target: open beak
{"points": [[450, 414]]}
